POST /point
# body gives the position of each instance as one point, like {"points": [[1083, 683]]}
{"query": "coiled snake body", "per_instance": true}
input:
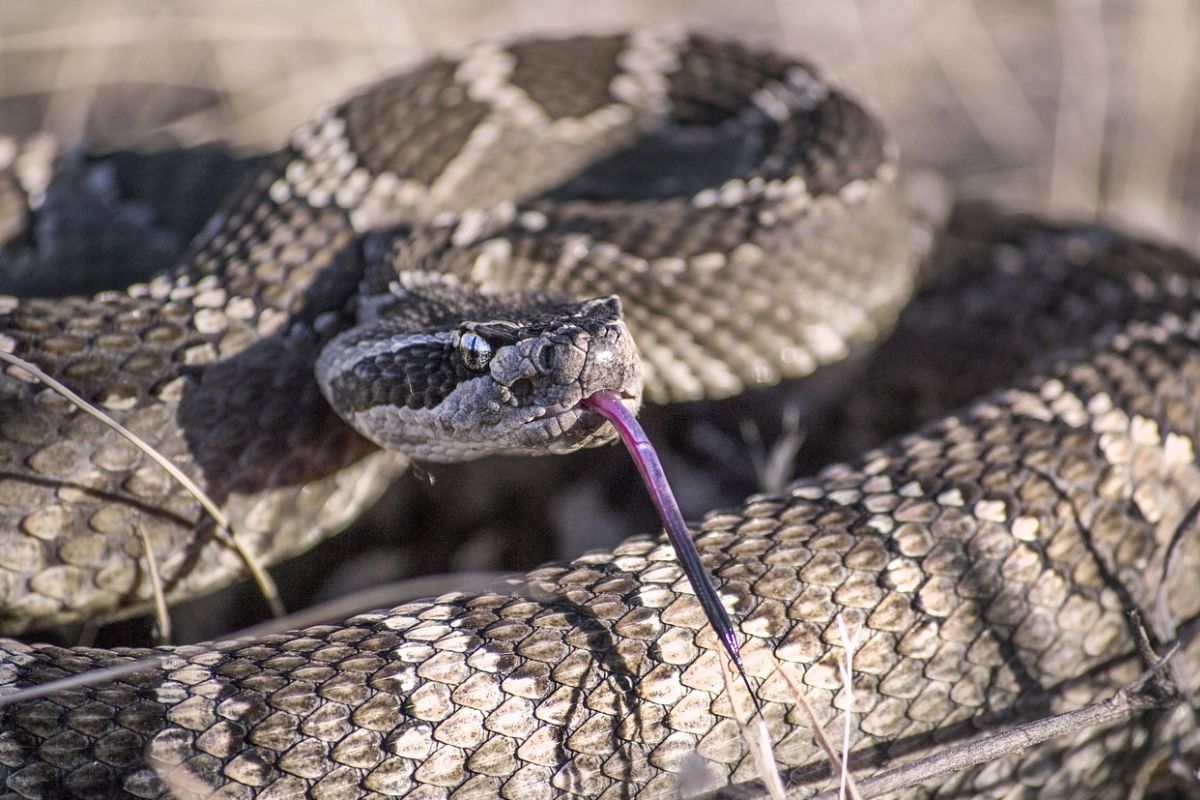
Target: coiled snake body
{"points": [[988, 562]]}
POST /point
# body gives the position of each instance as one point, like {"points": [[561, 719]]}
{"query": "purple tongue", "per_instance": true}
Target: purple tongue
{"points": [[609, 406]]}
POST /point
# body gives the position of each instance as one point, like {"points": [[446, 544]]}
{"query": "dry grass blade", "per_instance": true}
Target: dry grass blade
{"points": [[83, 680], [262, 578], [755, 732], [183, 783], [846, 667], [1159, 71], [384, 596], [161, 614], [265, 584], [774, 465], [339, 609], [1080, 123], [836, 759], [982, 80], [1128, 701]]}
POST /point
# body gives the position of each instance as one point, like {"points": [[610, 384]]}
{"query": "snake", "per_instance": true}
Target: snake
{"points": [[443, 267]]}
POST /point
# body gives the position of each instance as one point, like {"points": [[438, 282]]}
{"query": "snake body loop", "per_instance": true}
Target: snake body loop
{"points": [[447, 251]]}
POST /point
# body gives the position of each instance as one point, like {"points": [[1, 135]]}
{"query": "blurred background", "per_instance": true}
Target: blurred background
{"points": [[1085, 109], [1074, 106]]}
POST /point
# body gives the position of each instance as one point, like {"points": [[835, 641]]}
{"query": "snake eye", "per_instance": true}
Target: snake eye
{"points": [[475, 351]]}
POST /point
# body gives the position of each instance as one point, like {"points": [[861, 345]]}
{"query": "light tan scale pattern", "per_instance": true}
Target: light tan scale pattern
{"points": [[986, 566], [987, 563]]}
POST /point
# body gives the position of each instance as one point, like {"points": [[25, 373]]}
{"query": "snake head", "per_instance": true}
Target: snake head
{"points": [[449, 373]]}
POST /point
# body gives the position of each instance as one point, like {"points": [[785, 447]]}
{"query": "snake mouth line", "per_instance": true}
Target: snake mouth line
{"points": [[554, 410], [570, 426], [558, 409]]}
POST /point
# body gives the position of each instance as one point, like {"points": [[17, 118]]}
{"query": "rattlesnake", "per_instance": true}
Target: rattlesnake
{"points": [[987, 561]]}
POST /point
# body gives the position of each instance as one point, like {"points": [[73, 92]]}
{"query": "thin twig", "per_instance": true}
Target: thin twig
{"points": [[1121, 706], [266, 585]]}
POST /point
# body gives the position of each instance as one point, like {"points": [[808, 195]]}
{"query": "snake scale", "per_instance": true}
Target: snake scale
{"points": [[988, 561]]}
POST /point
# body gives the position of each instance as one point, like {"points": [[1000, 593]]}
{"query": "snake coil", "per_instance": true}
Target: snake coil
{"points": [[747, 216]]}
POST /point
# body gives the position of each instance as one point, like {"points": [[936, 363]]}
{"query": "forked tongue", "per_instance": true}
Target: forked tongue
{"points": [[609, 406]]}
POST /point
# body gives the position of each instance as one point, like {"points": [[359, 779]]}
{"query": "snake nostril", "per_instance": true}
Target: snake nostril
{"points": [[522, 389], [545, 359]]}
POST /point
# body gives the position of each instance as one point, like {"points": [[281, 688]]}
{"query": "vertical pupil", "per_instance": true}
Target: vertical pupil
{"points": [[475, 351]]}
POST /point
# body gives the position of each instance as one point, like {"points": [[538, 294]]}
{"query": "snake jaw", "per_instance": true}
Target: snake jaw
{"points": [[552, 410], [571, 425], [631, 400], [562, 418]]}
